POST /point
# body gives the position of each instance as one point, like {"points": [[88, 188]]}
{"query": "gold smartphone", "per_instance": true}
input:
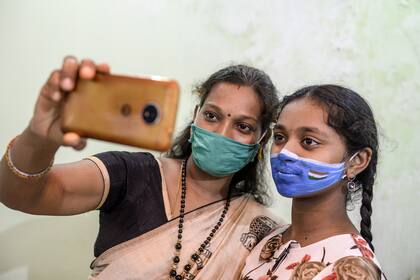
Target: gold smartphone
{"points": [[136, 111]]}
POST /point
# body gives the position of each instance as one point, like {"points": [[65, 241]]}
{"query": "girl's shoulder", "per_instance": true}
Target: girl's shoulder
{"points": [[331, 258], [353, 259]]}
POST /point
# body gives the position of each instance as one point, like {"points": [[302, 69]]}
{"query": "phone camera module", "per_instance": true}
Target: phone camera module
{"points": [[151, 113]]}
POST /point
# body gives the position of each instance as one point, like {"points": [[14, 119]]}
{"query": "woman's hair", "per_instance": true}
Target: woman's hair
{"points": [[351, 116], [249, 179]]}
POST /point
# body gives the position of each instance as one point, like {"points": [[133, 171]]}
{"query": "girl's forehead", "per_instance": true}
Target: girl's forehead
{"points": [[303, 111], [305, 115]]}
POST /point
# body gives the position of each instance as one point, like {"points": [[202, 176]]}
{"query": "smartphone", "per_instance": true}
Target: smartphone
{"points": [[135, 111]]}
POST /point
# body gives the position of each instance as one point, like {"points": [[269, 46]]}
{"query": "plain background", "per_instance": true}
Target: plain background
{"points": [[372, 47]]}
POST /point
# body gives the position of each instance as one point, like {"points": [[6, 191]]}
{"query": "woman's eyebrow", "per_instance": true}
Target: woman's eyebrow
{"points": [[245, 117], [213, 106], [237, 117]]}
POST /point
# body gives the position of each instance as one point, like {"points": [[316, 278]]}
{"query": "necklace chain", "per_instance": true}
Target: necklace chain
{"points": [[195, 257]]}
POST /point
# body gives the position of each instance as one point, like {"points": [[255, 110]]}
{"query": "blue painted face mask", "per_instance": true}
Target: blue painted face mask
{"points": [[217, 155], [295, 176]]}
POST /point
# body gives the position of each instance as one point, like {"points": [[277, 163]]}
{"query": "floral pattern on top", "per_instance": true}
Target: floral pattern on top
{"points": [[344, 256]]}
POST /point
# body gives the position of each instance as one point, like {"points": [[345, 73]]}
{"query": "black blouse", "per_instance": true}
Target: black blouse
{"points": [[134, 204]]}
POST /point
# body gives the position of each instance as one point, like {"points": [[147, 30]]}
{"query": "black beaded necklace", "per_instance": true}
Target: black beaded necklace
{"points": [[196, 255]]}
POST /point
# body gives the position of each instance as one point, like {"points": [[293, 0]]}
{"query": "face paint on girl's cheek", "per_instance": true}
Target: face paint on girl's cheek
{"points": [[295, 176]]}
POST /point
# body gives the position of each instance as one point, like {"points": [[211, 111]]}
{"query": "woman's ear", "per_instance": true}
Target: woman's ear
{"points": [[359, 162]]}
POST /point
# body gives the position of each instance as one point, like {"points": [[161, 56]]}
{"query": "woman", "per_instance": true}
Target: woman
{"points": [[178, 217], [324, 155]]}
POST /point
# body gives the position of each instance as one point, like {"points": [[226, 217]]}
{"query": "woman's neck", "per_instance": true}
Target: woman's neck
{"points": [[204, 186], [318, 217]]}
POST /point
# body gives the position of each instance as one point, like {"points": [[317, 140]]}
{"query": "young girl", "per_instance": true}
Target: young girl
{"points": [[324, 155], [189, 215]]}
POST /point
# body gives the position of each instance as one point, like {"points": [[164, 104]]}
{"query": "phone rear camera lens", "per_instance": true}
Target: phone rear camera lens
{"points": [[150, 114]]}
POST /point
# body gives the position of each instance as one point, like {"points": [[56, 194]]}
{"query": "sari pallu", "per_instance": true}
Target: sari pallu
{"points": [[150, 255]]}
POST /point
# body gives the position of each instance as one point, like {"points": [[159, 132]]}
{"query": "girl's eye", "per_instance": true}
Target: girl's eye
{"points": [[278, 137], [309, 142], [210, 116]]}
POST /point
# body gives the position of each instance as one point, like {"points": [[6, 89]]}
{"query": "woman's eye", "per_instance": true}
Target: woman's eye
{"points": [[245, 128], [309, 142], [210, 116]]}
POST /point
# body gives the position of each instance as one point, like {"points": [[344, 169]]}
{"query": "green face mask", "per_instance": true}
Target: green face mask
{"points": [[217, 155]]}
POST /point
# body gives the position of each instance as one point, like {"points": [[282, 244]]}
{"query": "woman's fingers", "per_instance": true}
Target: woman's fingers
{"points": [[74, 140], [87, 69], [50, 92], [48, 108], [50, 84], [81, 145], [54, 92], [103, 68], [68, 73]]}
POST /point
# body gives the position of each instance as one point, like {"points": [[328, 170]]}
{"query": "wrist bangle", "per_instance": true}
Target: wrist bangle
{"points": [[17, 171]]}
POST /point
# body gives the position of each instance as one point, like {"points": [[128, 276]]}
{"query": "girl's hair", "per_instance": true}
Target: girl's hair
{"points": [[351, 116], [249, 179]]}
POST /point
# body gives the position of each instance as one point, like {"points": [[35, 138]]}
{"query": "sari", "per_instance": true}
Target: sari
{"points": [[149, 256]]}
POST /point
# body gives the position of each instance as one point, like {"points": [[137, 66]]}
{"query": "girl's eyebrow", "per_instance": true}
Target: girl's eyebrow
{"points": [[302, 129], [313, 130], [278, 127]]}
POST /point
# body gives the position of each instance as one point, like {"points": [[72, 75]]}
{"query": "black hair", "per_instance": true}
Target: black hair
{"points": [[249, 179], [351, 116]]}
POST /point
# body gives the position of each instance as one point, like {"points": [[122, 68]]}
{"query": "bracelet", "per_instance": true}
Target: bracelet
{"points": [[17, 171]]}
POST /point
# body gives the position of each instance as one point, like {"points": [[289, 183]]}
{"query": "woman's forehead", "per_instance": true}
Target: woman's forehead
{"points": [[234, 99]]}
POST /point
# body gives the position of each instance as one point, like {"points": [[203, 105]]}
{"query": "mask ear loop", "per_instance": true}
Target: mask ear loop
{"points": [[260, 149], [193, 122], [262, 137], [351, 158], [351, 185]]}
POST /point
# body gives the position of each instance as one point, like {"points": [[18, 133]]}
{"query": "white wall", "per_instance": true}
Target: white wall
{"points": [[370, 46]]}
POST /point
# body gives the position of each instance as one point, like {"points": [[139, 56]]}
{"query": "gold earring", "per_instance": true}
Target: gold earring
{"points": [[260, 154]]}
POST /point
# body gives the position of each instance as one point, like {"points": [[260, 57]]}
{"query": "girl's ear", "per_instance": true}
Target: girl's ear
{"points": [[359, 162]]}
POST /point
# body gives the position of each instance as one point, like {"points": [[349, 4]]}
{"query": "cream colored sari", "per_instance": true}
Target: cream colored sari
{"points": [[149, 256]]}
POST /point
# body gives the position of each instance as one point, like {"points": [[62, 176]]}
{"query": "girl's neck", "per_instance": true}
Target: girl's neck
{"points": [[318, 217]]}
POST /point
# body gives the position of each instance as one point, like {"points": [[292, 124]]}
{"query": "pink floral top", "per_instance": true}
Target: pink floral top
{"points": [[344, 256]]}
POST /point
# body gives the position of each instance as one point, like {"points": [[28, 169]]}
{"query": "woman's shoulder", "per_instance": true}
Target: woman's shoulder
{"points": [[169, 165], [121, 162], [125, 156]]}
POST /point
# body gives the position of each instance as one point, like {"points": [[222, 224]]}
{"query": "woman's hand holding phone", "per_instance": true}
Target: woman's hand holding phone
{"points": [[46, 121]]}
